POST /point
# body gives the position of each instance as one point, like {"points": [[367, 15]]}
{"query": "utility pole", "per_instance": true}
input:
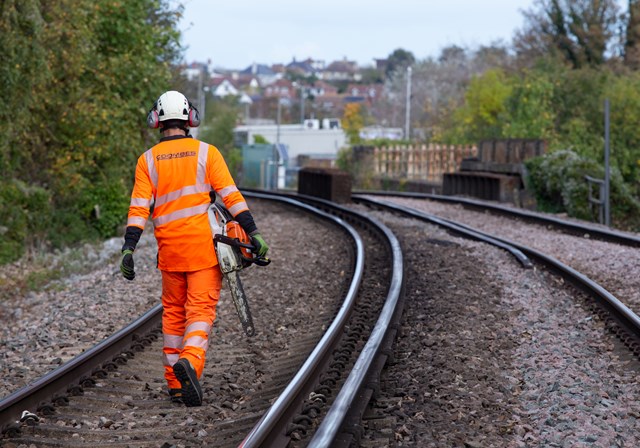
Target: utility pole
{"points": [[407, 118], [196, 131], [278, 122], [607, 207], [302, 96]]}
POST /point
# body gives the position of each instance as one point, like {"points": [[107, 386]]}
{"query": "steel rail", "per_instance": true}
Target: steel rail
{"points": [[627, 319], [450, 225], [568, 226], [270, 429], [75, 370], [331, 425], [350, 399]]}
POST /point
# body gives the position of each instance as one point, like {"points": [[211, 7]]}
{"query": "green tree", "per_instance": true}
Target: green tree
{"points": [[398, 61], [77, 80], [222, 116], [530, 112], [484, 109]]}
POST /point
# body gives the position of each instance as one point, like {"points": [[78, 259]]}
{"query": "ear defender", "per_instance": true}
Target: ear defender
{"points": [[194, 116], [153, 121]]}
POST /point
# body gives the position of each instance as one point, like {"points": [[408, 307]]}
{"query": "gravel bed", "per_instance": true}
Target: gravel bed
{"points": [[493, 355], [70, 315], [615, 267]]}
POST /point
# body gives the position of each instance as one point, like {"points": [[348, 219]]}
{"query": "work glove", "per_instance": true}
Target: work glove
{"points": [[260, 245], [126, 264]]}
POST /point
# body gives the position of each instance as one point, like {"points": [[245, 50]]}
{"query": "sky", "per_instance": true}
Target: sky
{"points": [[235, 34]]}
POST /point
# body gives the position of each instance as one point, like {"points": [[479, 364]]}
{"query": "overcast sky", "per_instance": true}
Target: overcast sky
{"points": [[234, 34]]}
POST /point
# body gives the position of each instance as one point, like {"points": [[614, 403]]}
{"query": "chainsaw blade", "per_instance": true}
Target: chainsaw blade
{"points": [[241, 302]]}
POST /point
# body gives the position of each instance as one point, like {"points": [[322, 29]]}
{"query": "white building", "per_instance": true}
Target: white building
{"points": [[301, 139]]}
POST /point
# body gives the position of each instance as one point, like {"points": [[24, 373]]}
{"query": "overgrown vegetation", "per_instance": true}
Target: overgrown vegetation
{"points": [[76, 80]]}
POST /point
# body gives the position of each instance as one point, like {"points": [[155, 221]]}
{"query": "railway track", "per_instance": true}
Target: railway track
{"points": [[337, 392], [120, 400], [580, 229], [443, 404]]}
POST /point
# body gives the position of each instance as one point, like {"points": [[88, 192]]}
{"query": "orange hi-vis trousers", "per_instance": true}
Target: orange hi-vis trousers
{"points": [[189, 302]]}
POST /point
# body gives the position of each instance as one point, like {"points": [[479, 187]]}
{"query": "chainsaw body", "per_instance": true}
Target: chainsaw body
{"points": [[234, 252]]}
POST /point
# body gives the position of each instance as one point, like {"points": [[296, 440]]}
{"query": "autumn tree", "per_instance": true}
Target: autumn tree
{"points": [[632, 36], [577, 31], [352, 122]]}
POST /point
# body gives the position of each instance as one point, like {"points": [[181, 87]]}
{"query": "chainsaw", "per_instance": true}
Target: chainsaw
{"points": [[235, 252]]}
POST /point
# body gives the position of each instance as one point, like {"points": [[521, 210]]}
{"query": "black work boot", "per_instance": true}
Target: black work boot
{"points": [[175, 395], [191, 390]]}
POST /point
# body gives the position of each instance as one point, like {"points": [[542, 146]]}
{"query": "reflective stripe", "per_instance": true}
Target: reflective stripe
{"points": [[198, 326], [140, 202], [171, 359], [136, 221], [151, 168], [172, 340], [235, 209], [197, 341], [179, 214], [203, 153], [191, 189], [226, 191]]}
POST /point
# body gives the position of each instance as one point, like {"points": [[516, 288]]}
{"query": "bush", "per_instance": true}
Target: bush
{"points": [[105, 207], [558, 182], [26, 213]]}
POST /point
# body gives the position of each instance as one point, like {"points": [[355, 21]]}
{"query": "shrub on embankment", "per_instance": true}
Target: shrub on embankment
{"points": [[76, 81], [558, 182]]}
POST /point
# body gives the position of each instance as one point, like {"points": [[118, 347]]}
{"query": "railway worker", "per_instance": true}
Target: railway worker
{"points": [[176, 176]]}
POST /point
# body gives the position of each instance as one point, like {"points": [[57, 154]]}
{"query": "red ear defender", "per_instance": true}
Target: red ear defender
{"points": [[153, 120], [194, 116]]}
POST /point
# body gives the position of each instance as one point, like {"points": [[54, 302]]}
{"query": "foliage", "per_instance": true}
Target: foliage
{"points": [[398, 61], [577, 31], [352, 122], [222, 115], [558, 180], [530, 112], [77, 79], [358, 162], [485, 105], [259, 139], [26, 212]]}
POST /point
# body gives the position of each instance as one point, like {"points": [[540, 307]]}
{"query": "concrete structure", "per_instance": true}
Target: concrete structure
{"points": [[301, 140]]}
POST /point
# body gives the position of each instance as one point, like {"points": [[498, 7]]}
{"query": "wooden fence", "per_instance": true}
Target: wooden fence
{"points": [[420, 162]]}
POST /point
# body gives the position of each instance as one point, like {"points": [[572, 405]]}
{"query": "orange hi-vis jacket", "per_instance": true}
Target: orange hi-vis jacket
{"points": [[176, 175]]}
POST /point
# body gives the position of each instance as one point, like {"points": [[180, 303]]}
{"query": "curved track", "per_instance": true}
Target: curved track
{"points": [[113, 405]]}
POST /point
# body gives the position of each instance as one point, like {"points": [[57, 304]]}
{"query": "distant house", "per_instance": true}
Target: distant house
{"points": [[342, 71], [282, 88], [369, 93], [322, 88], [381, 65], [264, 73], [194, 70], [248, 83], [222, 87], [308, 67]]}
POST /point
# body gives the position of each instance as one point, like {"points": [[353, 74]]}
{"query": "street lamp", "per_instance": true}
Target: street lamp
{"points": [[247, 101]]}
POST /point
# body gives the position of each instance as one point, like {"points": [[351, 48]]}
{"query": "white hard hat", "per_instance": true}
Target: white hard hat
{"points": [[173, 105]]}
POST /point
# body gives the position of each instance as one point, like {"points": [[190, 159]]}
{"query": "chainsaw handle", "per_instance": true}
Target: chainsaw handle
{"points": [[260, 261], [218, 238]]}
